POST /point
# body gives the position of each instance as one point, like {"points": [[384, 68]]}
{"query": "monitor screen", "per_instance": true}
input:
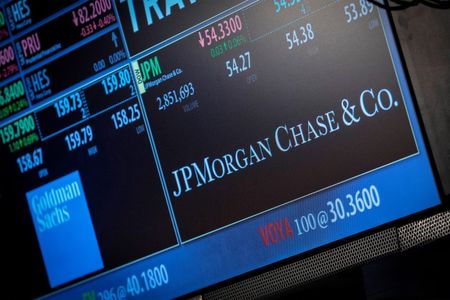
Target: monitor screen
{"points": [[151, 149]]}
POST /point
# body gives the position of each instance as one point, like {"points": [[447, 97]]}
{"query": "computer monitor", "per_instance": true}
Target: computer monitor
{"points": [[152, 149]]}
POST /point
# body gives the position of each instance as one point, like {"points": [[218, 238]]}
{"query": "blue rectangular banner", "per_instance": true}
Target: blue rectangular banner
{"points": [[64, 229]]}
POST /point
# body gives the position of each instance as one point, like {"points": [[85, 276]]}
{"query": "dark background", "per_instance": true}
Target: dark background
{"points": [[61, 76], [424, 35], [39, 10]]}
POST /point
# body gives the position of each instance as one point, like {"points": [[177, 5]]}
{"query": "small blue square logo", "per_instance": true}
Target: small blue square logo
{"points": [[64, 229]]}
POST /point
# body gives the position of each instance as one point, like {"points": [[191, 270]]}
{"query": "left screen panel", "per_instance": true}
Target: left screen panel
{"points": [[81, 171]]}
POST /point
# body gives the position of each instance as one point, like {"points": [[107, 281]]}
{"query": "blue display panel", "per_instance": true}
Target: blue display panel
{"points": [[155, 148], [60, 212]]}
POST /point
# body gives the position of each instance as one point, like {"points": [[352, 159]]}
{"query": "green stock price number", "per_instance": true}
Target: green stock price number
{"points": [[11, 92], [17, 129]]}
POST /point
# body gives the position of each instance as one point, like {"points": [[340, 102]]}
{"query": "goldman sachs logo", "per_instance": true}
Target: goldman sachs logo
{"points": [[64, 229], [50, 206]]}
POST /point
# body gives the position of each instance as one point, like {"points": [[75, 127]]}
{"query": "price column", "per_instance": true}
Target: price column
{"points": [[97, 130]]}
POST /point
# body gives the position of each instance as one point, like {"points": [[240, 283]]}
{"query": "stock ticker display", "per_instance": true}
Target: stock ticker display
{"points": [[154, 148]]}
